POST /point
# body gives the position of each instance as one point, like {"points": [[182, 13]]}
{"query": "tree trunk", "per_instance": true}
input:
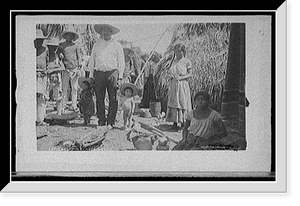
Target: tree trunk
{"points": [[233, 103]]}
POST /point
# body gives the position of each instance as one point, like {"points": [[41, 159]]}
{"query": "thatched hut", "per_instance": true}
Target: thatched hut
{"points": [[207, 47]]}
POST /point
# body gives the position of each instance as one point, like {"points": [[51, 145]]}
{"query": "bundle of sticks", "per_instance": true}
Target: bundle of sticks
{"points": [[156, 131]]}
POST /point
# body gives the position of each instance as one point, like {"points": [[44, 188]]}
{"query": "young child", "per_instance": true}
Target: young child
{"points": [[128, 90], [203, 126], [86, 103], [55, 67]]}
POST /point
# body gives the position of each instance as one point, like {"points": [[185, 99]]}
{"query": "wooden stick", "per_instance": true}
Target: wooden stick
{"points": [[156, 131]]}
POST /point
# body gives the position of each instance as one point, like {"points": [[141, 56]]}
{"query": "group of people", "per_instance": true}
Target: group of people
{"points": [[106, 72], [200, 125], [63, 63]]}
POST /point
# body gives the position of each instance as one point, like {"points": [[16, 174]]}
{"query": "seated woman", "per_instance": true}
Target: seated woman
{"points": [[203, 126]]}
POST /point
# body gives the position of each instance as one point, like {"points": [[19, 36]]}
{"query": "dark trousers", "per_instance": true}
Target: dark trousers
{"points": [[148, 94], [87, 74], [106, 81]]}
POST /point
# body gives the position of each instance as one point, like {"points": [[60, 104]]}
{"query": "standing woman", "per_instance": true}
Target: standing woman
{"points": [[42, 58], [179, 96], [149, 73]]}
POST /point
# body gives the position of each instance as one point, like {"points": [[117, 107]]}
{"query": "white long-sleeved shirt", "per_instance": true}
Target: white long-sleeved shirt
{"points": [[107, 56]]}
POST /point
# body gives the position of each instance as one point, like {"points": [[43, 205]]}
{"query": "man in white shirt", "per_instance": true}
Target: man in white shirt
{"points": [[106, 66]]}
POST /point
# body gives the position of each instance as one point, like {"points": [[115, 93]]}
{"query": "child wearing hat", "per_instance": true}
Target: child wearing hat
{"points": [[128, 90], [86, 102]]}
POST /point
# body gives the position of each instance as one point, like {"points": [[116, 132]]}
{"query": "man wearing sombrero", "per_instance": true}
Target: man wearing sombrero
{"points": [[71, 59], [106, 66]]}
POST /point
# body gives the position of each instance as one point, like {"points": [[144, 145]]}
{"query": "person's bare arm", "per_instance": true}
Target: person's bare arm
{"points": [[222, 131], [91, 62], [185, 131], [189, 73], [184, 77], [132, 106]]}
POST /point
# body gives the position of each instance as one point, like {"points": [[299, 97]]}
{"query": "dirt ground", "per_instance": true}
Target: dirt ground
{"points": [[67, 136]]}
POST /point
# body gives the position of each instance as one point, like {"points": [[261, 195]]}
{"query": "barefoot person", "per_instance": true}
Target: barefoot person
{"points": [[71, 59], [42, 58], [86, 102], [128, 90], [55, 67], [179, 97], [149, 73], [203, 126], [106, 66]]}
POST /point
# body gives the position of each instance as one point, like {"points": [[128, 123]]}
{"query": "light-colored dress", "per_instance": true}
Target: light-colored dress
{"points": [[179, 95]]}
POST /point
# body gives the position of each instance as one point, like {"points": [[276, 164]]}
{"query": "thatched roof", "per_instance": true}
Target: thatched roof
{"points": [[207, 47]]}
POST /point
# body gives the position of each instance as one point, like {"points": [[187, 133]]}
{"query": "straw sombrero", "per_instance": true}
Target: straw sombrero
{"points": [[132, 86], [40, 35], [82, 79], [99, 27], [75, 35]]}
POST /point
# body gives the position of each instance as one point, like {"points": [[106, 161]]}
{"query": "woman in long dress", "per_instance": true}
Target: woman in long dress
{"points": [[179, 96]]}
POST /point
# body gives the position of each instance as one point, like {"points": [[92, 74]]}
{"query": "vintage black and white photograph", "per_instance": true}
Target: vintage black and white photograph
{"points": [[177, 97], [130, 85], [145, 86]]}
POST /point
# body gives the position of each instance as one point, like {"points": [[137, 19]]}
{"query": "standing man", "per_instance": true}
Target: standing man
{"points": [[106, 66], [71, 59]]}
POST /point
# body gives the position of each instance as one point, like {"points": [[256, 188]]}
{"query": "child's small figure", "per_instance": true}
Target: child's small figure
{"points": [[55, 67], [128, 90], [55, 86], [86, 102]]}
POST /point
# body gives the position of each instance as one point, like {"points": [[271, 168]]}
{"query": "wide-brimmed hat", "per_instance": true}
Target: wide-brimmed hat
{"points": [[53, 42], [99, 27], [83, 79], [130, 85], [40, 34], [70, 31]]}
